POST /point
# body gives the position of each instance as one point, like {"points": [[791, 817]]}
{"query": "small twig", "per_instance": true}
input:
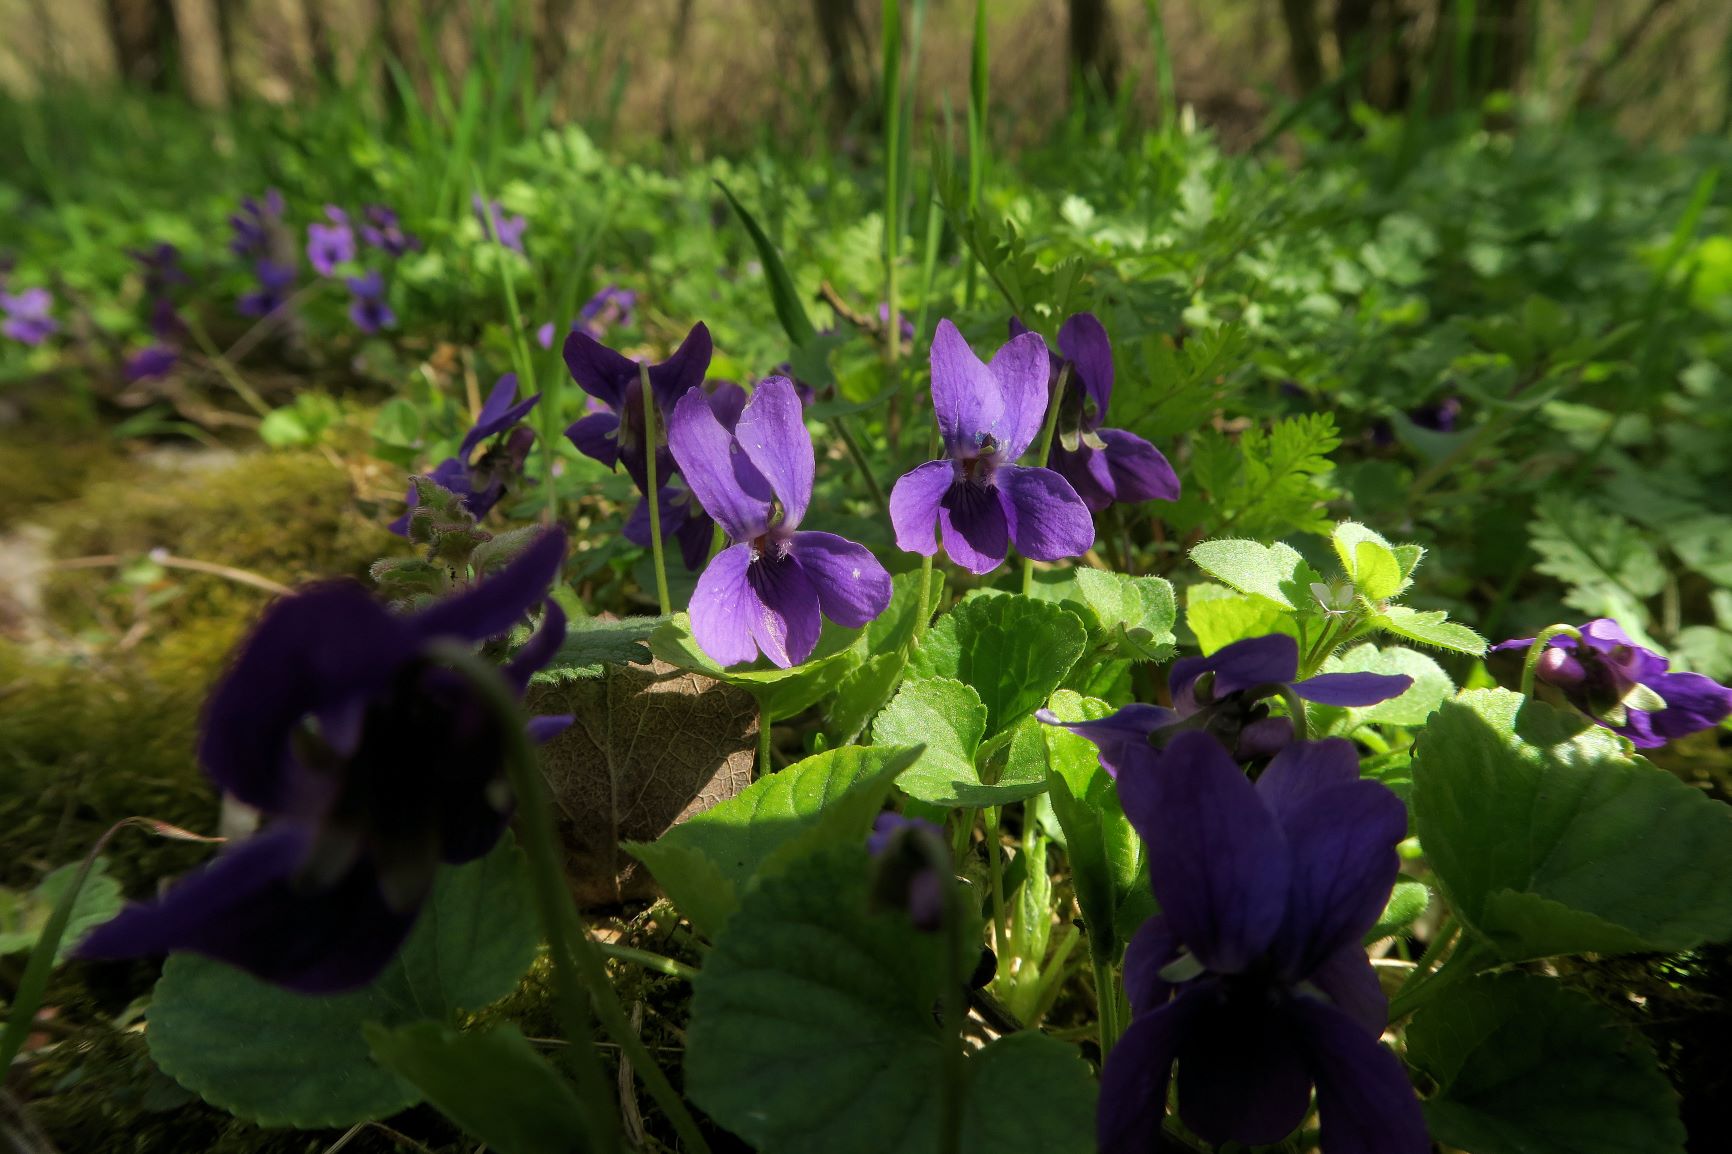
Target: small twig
{"points": [[169, 561]]}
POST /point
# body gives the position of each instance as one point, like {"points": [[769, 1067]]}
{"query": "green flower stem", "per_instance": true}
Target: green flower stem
{"points": [[224, 369], [1046, 435], [995, 876], [1106, 1005], [923, 614], [1531, 667], [578, 961], [1296, 711], [1471, 955], [845, 429], [764, 766], [655, 508], [649, 961]]}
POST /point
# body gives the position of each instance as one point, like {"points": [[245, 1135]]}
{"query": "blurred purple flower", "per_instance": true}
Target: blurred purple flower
{"points": [[1103, 465], [1252, 978], [507, 230], [770, 588], [905, 876], [29, 318], [1224, 694], [1439, 416], [380, 229], [372, 765], [161, 267], [982, 500], [275, 280], [607, 308], [151, 362], [329, 245], [482, 484], [1626, 687], [367, 306], [254, 225]]}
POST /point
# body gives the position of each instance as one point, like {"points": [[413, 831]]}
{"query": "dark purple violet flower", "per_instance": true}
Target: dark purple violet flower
{"points": [[767, 590], [1439, 416], [1103, 465], [29, 316], [367, 306], [482, 483], [616, 437], [330, 245], [275, 280], [905, 874], [984, 501], [507, 230], [1627, 688], [1252, 978], [380, 229], [161, 267], [372, 765], [254, 224], [1226, 694], [151, 362]]}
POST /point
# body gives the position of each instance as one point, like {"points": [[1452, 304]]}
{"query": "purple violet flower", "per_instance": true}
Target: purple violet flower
{"points": [[329, 245], [616, 437], [766, 591], [275, 280], [254, 224], [607, 308], [161, 267], [507, 230], [984, 501], [1224, 694], [151, 362], [1439, 416], [380, 229], [1626, 687], [1103, 465], [372, 765], [367, 307], [28, 316], [1252, 977], [482, 484], [682, 517]]}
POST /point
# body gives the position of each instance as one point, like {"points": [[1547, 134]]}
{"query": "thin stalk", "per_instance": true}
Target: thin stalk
{"points": [[845, 429], [1468, 959], [227, 371], [995, 876], [1046, 435], [1106, 1005], [978, 79], [764, 766], [892, 174], [1531, 667], [649, 961], [923, 615], [578, 960], [655, 505]]}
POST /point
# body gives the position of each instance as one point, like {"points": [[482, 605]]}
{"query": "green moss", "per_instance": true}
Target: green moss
{"points": [[289, 517], [42, 471]]}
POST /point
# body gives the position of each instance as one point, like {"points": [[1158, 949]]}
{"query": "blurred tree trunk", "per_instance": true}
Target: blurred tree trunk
{"points": [[203, 61], [143, 34], [1094, 46], [1491, 57], [1304, 44], [553, 48], [1372, 36], [843, 34]]}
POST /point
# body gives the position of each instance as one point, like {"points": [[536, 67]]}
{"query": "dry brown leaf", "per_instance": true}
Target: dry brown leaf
{"points": [[645, 751]]}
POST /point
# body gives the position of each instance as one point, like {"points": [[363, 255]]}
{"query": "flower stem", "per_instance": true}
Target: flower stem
{"points": [[655, 505], [1296, 711], [1106, 1005], [764, 766], [578, 962], [845, 428], [995, 876], [1046, 435], [1471, 955], [1531, 667], [649, 961]]}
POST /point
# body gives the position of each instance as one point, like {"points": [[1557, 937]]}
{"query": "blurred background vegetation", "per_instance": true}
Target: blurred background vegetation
{"points": [[733, 72]]}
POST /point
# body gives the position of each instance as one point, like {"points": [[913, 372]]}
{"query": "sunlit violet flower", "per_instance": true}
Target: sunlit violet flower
{"points": [[483, 482], [683, 519], [275, 280], [151, 362], [767, 589], [1626, 687], [367, 306], [380, 229], [329, 245], [1252, 977], [254, 223], [1226, 694], [616, 437], [507, 230], [981, 499], [1103, 465], [29, 318], [371, 763], [904, 876]]}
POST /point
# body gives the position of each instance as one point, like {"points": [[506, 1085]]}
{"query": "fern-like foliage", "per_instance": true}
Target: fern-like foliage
{"points": [[1268, 484]]}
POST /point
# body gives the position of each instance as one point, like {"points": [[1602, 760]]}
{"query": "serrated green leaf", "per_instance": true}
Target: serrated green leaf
{"points": [[1431, 685], [1012, 650], [1407, 901], [782, 693], [1276, 573], [1524, 1066], [23, 916], [492, 1084], [864, 690], [1219, 616], [1102, 848], [693, 882], [285, 1059], [859, 1069], [1430, 627], [1134, 616], [1610, 566], [591, 643], [950, 720], [1376, 572], [1549, 838]]}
